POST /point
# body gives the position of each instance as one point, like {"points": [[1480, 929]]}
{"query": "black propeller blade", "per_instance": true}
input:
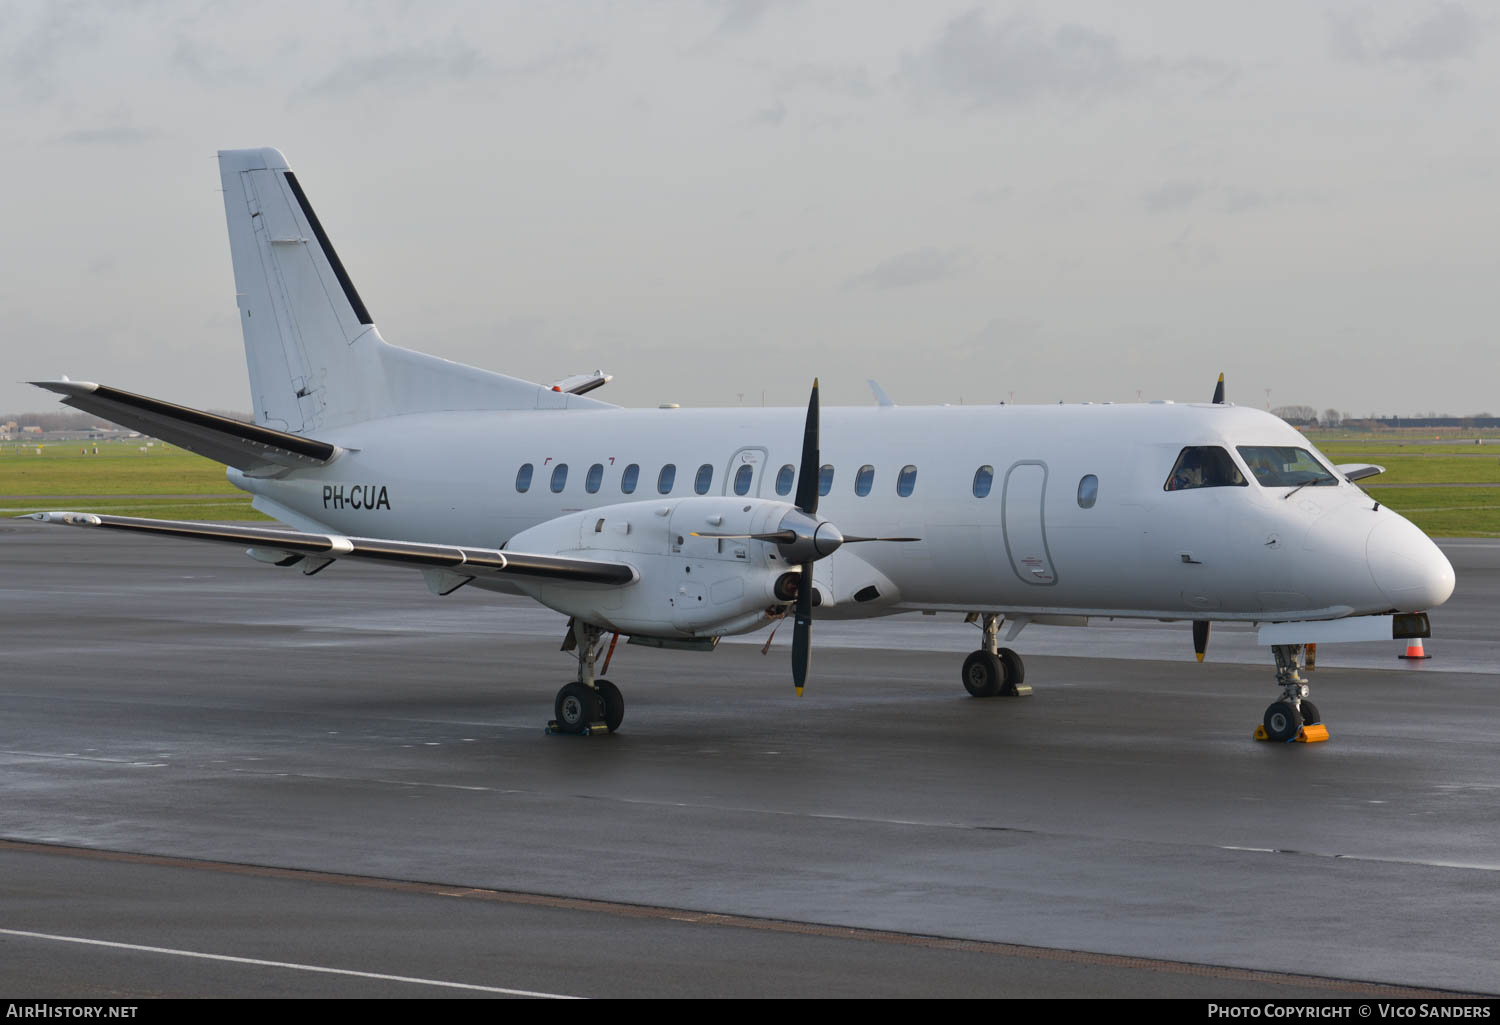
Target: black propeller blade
{"points": [[1219, 392], [807, 501], [807, 476], [802, 628], [1200, 638]]}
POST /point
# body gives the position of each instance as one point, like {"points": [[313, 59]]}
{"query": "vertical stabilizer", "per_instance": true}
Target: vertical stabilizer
{"points": [[315, 356]]}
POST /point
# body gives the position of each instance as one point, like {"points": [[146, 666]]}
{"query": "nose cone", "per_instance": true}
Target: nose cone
{"points": [[1408, 568]]}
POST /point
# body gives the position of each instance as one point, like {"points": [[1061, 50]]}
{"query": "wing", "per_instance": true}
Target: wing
{"points": [[247, 447], [287, 547]]}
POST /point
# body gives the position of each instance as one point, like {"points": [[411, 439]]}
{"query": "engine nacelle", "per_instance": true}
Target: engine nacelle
{"points": [[686, 586]]}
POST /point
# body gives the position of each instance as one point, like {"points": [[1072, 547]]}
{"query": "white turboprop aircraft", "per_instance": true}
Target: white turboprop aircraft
{"points": [[676, 526]]}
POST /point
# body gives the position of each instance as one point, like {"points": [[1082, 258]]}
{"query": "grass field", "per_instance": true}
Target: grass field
{"points": [[181, 485], [166, 482]]}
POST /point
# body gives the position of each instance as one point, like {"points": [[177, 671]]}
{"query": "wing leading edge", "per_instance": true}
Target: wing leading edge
{"points": [[459, 560]]}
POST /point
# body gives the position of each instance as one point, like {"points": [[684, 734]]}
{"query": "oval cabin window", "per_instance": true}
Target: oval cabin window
{"points": [[984, 479], [784, 478], [1088, 491], [907, 481]]}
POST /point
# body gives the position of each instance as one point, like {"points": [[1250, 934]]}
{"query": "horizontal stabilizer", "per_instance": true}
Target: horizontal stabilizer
{"points": [[579, 384], [459, 560], [245, 446]]}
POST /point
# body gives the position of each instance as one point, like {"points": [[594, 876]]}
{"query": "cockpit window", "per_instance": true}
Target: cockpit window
{"points": [[1285, 467], [1204, 466]]}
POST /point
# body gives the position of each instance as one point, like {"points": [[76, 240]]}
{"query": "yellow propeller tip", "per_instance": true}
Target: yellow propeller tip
{"points": [[1199, 654], [799, 692]]}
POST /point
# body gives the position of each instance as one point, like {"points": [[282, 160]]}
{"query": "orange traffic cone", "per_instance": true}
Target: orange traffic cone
{"points": [[1414, 649]]}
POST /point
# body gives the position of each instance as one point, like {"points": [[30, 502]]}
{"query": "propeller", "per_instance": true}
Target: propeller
{"points": [[1200, 638], [1219, 392], [804, 539]]}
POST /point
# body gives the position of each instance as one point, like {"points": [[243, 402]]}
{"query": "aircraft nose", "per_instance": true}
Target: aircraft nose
{"points": [[1408, 568]]}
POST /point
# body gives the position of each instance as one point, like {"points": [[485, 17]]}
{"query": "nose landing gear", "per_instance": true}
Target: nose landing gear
{"points": [[1293, 717]]}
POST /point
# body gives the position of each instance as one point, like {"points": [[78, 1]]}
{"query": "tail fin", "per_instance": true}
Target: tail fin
{"points": [[315, 357]]}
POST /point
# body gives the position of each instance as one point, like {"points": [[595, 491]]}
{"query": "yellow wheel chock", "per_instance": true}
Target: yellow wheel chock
{"points": [[1316, 733]]}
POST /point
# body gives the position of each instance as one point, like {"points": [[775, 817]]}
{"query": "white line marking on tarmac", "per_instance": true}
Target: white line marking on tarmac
{"points": [[285, 964]]}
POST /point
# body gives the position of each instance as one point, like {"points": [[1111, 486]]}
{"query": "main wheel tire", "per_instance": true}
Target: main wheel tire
{"points": [[1310, 714], [1282, 721], [614, 703], [983, 674], [1015, 669], [576, 707]]}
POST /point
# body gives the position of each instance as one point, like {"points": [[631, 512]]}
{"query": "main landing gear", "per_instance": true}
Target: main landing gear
{"points": [[993, 670], [1293, 717], [587, 705]]}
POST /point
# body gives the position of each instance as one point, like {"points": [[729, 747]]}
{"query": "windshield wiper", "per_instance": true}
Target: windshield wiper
{"points": [[1298, 488]]}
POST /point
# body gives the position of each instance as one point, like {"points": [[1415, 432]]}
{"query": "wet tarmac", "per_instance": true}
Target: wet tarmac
{"points": [[1117, 833]]}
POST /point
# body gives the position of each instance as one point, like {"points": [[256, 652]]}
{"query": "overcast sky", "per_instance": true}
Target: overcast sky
{"points": [[1080, 201]]}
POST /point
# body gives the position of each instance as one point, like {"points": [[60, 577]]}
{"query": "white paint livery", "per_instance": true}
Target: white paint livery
{"points": [[1020, 512]]}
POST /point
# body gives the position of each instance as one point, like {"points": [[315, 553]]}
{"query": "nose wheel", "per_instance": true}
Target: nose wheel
{"points": [[1293, 717]]}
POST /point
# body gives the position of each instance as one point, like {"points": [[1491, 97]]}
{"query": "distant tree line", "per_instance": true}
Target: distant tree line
{"points": [[1306, 416]]}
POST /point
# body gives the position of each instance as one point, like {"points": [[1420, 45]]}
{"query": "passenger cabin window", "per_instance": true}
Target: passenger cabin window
{"points": [[704, 479], [523, 478], [864, 480], [559, 477], [1204, 466], [825, 479], [629, 477], [984, 479], [1088, 492], [1279, 467], [742, 478], [906, 481], [665, 478], [784, 478], [594, 479]]}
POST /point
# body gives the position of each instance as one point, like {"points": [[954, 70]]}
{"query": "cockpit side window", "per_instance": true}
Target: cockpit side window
{"points": [[1204, 466], [1284, 466]]}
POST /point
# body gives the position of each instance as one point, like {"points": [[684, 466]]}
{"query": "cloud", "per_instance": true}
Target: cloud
{"points": [[409, 68], [115, 135], [772, 115], [916, 267], [742, 16], [1019, 59], [1448, 32], [415, 68], [1172, 196], [852, 82]]}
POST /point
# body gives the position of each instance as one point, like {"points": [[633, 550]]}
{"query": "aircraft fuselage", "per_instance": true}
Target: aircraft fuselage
{"points": [[1042, 537]]}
